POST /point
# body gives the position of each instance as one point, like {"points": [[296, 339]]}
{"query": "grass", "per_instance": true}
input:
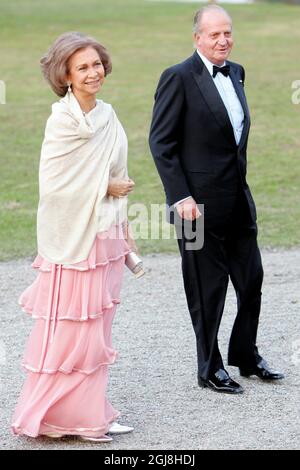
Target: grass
{"points": [[144, 38]]}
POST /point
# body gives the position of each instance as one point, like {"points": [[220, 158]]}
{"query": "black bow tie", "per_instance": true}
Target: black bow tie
{"points": [[224, 70]]}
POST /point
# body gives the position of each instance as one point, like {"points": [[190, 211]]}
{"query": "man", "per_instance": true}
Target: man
{"points": [[198, 139]]}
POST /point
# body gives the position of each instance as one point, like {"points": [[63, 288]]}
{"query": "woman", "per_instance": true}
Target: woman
{"points": [[82, 243]]}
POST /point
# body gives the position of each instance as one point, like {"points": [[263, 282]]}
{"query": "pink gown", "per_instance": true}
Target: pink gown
{"points": [[70, 347]]}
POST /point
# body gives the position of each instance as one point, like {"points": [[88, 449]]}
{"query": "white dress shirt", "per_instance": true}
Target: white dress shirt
{"points": [[230, 99]]}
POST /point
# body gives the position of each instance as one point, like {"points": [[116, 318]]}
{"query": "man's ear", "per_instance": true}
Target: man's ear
{"points": [[196, 37]]}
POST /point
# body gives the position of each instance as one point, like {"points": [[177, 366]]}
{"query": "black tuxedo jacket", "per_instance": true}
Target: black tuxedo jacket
{"points": [[192, 140]]}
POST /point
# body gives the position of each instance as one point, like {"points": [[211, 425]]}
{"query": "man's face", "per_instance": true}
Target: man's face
{"points": [[214, 39]]}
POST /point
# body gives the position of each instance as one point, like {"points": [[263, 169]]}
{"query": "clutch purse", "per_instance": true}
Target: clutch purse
{"points": [[135, 264]]}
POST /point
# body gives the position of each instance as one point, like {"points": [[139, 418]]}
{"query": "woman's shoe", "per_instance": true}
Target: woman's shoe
{"points": [[53, 435], [103, 438], [117, 428]]}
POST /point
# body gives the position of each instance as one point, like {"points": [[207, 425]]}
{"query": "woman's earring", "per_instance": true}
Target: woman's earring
{"points": [[69, 87]]}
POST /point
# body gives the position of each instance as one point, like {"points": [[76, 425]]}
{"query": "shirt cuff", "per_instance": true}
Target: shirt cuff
{"points": [[181, 200]]}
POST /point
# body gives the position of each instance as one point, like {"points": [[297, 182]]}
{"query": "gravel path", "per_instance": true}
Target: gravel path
{"points": [[153, 382]]}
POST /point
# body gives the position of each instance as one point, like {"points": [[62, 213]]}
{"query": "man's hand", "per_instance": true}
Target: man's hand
{"points": [[119, 187], [188, 209]]}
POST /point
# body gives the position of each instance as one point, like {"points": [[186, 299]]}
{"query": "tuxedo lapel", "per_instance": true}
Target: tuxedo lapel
{"points": [[211, 96], [239, 89]]}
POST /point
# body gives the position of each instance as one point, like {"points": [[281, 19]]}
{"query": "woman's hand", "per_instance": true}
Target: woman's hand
{"points": [[118, 187]]}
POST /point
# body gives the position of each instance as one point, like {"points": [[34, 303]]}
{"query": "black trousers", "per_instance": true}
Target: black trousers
{"points": [[230, 251]]}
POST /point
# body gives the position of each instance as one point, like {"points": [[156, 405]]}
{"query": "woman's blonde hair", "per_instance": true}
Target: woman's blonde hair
{"points": [[55, 63]]}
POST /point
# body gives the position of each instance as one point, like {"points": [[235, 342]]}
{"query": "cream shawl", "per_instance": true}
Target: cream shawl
{"points": [[80, 152]]}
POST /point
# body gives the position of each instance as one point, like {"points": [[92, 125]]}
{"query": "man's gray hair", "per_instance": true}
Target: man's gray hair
{"points": [[200, 13]]}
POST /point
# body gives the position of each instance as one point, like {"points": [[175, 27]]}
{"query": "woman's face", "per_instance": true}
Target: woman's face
{"points": [[86, 72]]}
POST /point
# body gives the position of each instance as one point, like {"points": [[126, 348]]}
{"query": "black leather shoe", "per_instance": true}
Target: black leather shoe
{"points": [[220, 382], [262, 370]]}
